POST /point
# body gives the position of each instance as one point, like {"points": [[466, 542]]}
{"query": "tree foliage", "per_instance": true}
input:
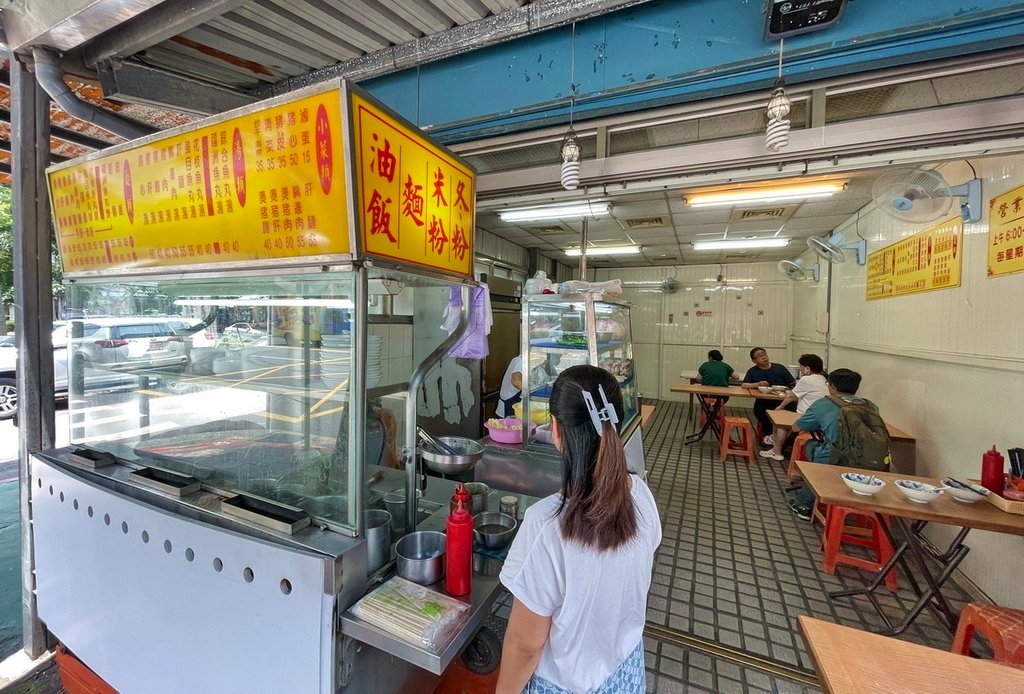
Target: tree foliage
{"points": [[7, 251]]}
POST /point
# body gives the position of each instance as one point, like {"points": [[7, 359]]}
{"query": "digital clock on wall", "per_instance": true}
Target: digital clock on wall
{"points": [[791, 17]]}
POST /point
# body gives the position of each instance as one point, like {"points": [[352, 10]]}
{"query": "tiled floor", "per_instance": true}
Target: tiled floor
{"points": [[736, 569]]}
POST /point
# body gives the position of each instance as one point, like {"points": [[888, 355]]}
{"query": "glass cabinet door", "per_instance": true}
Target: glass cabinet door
{"points": [[560, 333]]}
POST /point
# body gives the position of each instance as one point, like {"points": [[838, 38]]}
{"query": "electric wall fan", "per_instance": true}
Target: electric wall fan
{"points": [[921, 195], [833, 249], [798, 270]]}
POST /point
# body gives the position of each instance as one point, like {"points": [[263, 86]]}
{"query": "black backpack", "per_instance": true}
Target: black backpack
{"points": [[863, 439]]}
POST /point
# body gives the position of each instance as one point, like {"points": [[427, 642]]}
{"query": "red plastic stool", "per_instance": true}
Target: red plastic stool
{"points": [[745, 446], [798, 453], [704, 417], [1002, 626], [865, 532]]}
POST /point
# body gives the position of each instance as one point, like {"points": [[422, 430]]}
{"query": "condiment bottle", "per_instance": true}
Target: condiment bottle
{"points": [[459, 562], [993, 476], [461, 493]]}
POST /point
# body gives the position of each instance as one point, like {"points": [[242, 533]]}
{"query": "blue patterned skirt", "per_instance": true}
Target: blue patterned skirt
{"points": [[628, 678]]}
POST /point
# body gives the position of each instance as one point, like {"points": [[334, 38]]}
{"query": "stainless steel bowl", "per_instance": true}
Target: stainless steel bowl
{"points": [[486, 533], [478, 492], [421, 556], [470, 452]]}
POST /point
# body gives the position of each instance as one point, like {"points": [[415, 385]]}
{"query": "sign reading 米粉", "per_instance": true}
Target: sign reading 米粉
{"points": [[1006, 233], [415, 200], [269, 184], [930, 259]]}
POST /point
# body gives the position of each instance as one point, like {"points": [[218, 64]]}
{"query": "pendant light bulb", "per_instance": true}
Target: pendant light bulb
{"points": [[570, 161], [779, 106]]}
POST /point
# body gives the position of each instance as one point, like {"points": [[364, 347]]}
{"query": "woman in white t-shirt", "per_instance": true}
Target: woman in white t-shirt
{"points": [[811, 387], [581, 565]]}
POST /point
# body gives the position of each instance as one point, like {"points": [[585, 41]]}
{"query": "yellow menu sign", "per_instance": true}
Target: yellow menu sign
{"points": [[416, 201], [266, 185], [1006, 233], [927, 260]]}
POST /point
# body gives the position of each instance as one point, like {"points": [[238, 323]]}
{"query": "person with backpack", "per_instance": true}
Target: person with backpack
{"points": [[847, 430]]}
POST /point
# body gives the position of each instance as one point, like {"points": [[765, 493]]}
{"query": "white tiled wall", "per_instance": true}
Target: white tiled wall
{"points": [[752, 307], [947, 366], [396, 357]]}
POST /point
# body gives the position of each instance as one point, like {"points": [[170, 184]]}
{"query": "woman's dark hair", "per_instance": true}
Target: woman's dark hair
{"points": [[597, 509], [715, 355], [812, 362]]}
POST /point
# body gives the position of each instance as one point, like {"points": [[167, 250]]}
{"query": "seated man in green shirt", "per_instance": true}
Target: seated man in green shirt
{"points": [[715, 372]]}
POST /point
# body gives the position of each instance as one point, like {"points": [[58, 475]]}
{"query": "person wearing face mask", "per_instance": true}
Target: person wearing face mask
{"points": [[581, 565], [765, 373]]}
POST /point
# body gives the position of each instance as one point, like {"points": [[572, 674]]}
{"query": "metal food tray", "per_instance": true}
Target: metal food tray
{"points": [[165, 481], [91, 459], [267, 514]]}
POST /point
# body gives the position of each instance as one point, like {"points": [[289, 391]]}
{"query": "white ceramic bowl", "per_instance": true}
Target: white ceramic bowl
{"points": [[964, 495], [920, 492], [862, 484], [765, 389]]}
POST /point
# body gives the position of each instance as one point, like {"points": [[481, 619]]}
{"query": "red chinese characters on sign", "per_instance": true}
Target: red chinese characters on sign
{"points": [[460, 196], [412, 202], [436, 237], [380, 217], [385, 160], [438, 194], [459, 243]]}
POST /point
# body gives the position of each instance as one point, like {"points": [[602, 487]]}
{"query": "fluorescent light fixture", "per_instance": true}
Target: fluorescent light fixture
{"points": [[565, 211], [263, 301], [603, 250], [736, 245], [750, 196]]}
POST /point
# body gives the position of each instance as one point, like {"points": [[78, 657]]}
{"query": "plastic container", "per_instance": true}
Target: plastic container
{"points": [[993, 471], [507, 435], [459, 531]]}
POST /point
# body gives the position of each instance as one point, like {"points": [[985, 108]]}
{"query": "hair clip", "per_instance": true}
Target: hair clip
{"points": [[607, 413]]}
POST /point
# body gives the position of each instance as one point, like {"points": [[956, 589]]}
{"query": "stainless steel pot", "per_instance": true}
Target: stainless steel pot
{"points": [[421, 556]]}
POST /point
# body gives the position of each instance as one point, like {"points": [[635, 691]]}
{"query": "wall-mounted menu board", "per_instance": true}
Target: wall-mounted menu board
{"points": [[1006, 233], [928, 260]]}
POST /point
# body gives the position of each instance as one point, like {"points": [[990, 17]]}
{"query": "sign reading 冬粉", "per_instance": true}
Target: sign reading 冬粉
{"points": [[930, 259], [415, 201], [266, 185], [1006, 233]]}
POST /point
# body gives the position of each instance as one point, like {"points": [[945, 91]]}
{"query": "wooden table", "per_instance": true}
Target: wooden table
{"points": [[911, 518], [646, 412], [696, 381], [717, 396], [904, 446], [851, 661]]}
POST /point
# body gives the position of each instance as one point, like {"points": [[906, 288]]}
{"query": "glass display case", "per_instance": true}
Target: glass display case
{"points": [[245, 382], [560, 331]]}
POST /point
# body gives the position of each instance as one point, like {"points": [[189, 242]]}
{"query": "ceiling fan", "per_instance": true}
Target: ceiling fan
{"points": [[798, 270]]}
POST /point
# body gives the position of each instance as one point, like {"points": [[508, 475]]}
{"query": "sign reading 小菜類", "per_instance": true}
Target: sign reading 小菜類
{"points": [[415, 200], [1006, 233], [930, 259], [266, 185]]}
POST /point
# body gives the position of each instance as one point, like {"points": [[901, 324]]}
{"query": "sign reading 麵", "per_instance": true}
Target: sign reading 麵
{"points": [[416, 201], [1006, 233], [266, 185], [927, 260]]}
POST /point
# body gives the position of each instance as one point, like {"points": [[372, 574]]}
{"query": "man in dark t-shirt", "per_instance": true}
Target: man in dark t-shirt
{"points": [[765, 373]]}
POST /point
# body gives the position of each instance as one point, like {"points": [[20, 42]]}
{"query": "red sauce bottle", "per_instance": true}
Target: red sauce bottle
{"points": [[459, 562], [993, 471]]}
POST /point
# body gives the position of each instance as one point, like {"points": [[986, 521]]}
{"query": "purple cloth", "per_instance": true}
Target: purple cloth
{"points": [[473, 344]]}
